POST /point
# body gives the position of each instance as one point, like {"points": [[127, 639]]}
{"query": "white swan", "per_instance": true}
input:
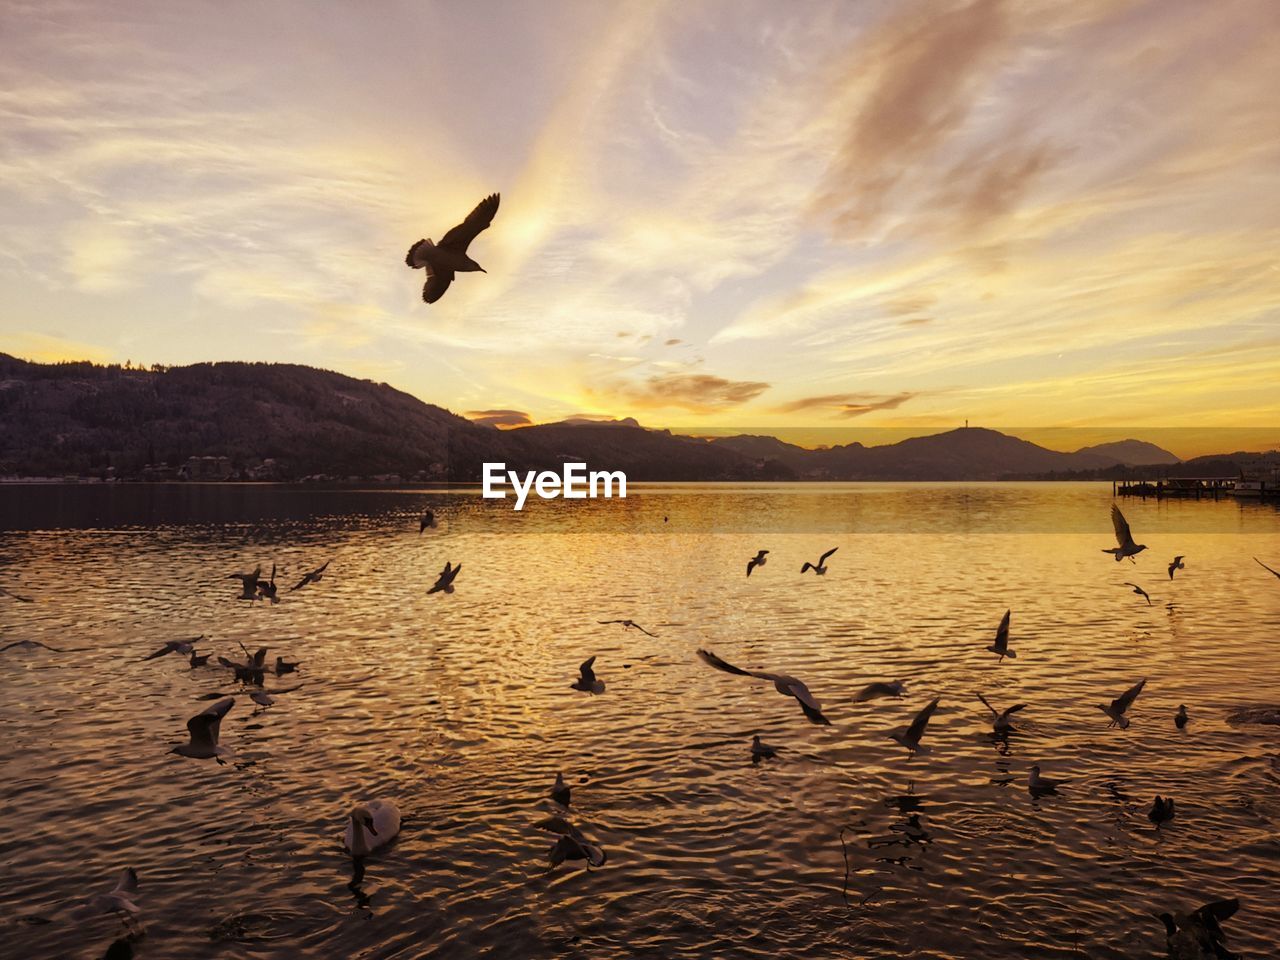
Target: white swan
{"points": [[370, 825]]}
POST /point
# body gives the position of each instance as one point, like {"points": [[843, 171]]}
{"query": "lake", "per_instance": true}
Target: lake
{"points": [[459, 708]]}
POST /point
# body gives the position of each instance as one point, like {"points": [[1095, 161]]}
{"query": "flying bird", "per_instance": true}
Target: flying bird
{"points": [[785, 685], [203, 729], [175, 646], [1162, 810], [759, 560], [630, 625], [1001, 722], [248, 583], [267, 588], [820, 568], [315, 576], [587, 681], [428, 519], [1176, 564], [1180, 718], [1139, 591], [1039, 786], [450, 256], [1199, 936], [561, 791], [445, 580], [1000, 644], [1266, 568], [909, 736], [31, 645], [873, 691], [1120, 705], [122, 900], [1127, 547], [761, 750]]}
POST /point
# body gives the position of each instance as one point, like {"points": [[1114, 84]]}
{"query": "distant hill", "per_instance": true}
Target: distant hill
{"points": [[285, 421], [1132, 452]]}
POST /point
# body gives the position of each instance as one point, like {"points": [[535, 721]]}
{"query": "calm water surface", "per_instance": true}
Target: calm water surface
{"points": [[459, 709]]}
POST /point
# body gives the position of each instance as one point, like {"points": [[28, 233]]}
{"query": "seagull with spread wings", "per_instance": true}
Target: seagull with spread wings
{"points": [[203, 729], [449, 257], [1139, 591], [1120, 705], [820, 568], [786, 685], [587, 681], [629, 625], [1001, 722], [315, 576], [759, 560], [1000, 644], [175, 646], [1127, 547], [445, 580], [248, 583], [1177, 564], [909, 736]]}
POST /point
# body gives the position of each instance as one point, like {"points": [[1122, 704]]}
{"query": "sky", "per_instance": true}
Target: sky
{"points": [[817, 220]]}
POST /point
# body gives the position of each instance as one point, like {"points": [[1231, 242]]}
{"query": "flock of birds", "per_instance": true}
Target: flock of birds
{"points": [[373, 823]]}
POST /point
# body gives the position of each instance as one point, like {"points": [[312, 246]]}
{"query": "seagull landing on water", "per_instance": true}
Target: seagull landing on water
{"points": [[248, 583], [1139, 591], [1127, 547], [572, 845], [1000, 644], [122, 900], [428, 519], [820, 568], [175, 646], [761, 750], [759, 560], [1162, 810], [909, 736], [450, 256], [315, 576], [587, 681], [630, 625], [1001, 722], [444, 582], [1180, 718], [1039, 786], [1119, 706], [267, 588], [785, 685], [874, 691], [1199, 936], [203, 729], [198, 659], [1176, 564]]}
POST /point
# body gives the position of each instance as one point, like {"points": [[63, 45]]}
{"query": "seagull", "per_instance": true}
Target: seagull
{"points": [[315, 576], [1116, 711], [267, 588], [909, 736], [198, 660], [1177, 564], [248, 583], [1162, 810], [873, 691], [175, 646], [428, 519], [820, 568], [14, 596], [572, 845], [587, 681], [1139, 591], [1199, 936], [1002, 724], [123, 898], [630, 625], [785, 685], [1127, 547], [759, 560], [203, 728], [1038, 785], [445, 580], [28, 645], [1180, 718], [251, 670], [761, 750], [1000, 644], [1266, 568], [560, 791], [450, 257], [261, 698], [283, 666]]}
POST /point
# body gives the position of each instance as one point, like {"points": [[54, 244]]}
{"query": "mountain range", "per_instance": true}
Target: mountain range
{"points": [[286, 421]]}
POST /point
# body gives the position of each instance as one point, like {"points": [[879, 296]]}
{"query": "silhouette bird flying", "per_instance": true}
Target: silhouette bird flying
{"points": [[785, 685], [449, 257], [820, 568], [759, 560], [1126, 548]]}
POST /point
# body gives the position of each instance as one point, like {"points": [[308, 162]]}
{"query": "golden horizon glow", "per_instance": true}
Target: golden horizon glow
{"points": [[822, 222]]}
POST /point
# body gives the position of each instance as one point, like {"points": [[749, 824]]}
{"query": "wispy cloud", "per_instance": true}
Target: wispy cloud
{"points": [[847, 404]]}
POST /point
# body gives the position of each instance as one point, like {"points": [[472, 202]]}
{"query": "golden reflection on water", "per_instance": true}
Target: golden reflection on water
{"points": [[459, 708]]}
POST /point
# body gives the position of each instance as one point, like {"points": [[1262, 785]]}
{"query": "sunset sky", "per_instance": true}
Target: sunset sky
{"points": [[807, 218]]}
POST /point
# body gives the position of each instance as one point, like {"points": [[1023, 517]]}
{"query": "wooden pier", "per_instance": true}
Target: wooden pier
{"points": [[1198, 488]]}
